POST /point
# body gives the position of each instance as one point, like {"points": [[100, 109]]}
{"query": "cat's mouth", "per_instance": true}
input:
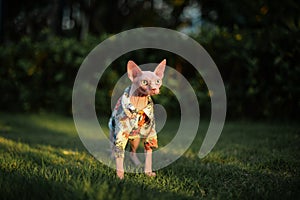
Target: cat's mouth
{"points": [[154, 92], [146, 92]]}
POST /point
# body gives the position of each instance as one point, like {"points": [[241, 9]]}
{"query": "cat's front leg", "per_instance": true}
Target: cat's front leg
{"points": [[148, 163], [120, 167]]}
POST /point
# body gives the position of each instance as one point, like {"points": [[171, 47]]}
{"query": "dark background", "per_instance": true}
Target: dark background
{"points": [[255, 45]]}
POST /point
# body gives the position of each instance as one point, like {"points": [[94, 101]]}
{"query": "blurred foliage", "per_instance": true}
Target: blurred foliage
{"points": [[40, 74], [255, 45]]}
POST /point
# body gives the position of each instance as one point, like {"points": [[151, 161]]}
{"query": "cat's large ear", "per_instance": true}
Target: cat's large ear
{"points": [[160, 69], [133, 70]]}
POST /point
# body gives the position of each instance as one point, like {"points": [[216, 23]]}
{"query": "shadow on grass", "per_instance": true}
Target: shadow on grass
{"points": [[212, 179], [250, 161]]}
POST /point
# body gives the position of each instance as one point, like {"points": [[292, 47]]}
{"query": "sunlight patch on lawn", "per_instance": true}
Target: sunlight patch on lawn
{"points": [[54, 123]]}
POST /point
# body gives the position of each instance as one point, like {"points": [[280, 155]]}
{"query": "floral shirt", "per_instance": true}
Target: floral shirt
{"points": [[127, 122]]}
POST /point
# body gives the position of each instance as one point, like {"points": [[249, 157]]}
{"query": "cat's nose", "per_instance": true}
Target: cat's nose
{"points": [[154, 91]]}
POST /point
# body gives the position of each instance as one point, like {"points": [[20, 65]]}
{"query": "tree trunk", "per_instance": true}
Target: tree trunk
{"points": [[56, 17]]}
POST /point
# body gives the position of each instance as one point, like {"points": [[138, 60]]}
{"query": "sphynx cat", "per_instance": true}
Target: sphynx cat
{"points": [[133, 118]]}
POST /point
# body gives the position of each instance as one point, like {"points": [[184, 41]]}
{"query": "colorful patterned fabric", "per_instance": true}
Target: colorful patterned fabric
{"points": [[128, 123]]}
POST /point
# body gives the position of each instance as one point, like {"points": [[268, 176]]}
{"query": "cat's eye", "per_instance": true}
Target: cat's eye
{"points": [[144, 82], [158, 81]]}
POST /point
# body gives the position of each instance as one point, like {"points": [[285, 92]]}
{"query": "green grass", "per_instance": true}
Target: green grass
{"points": [[41, 157]]}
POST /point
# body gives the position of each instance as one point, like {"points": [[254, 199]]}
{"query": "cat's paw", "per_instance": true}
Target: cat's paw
{"points": [[150, 174], [120, 174]]}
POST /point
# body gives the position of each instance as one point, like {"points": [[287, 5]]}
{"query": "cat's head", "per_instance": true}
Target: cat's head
{"points": [[146, 82]]}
